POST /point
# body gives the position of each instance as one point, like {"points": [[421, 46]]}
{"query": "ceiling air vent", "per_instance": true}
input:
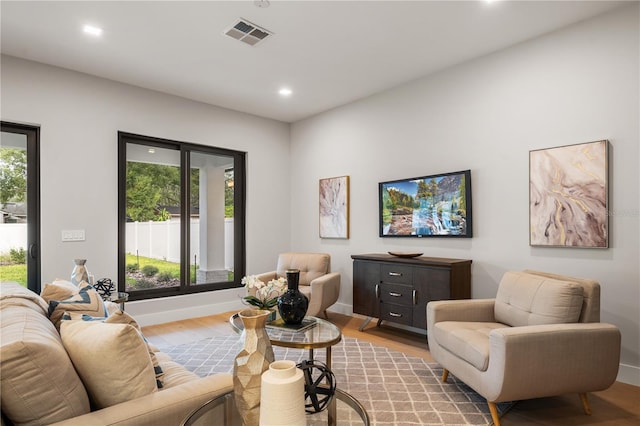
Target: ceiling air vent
{"points": [[247, 32]]}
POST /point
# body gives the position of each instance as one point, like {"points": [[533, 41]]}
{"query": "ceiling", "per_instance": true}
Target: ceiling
{"points": [[328, 53]]}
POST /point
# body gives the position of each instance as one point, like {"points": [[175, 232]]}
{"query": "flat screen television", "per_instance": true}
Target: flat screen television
{"points": [[427, 206]]}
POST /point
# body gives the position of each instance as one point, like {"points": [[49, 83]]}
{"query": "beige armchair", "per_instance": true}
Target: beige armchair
{"points": [[539, 337], [321, 286]]}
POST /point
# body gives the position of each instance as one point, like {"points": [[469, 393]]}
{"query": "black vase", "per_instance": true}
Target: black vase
{"points": [[293, 305]]}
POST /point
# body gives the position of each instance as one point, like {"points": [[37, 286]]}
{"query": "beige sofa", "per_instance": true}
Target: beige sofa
{"points": [[39, 384], [541, 336], [317, 282]]}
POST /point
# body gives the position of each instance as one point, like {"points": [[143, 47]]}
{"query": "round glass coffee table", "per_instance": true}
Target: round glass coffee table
{"points": [[322, 334], [222, 411]]}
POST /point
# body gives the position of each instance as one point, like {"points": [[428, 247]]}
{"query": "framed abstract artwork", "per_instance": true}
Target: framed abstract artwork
{"points": [[334, 207], [568, 196]]}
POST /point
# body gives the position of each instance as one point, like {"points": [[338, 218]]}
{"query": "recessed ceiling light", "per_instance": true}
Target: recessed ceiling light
{"points": [[285, 91], [152, 151], [91, 30]]}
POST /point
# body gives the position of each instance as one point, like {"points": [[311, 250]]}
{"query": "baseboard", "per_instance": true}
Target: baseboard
{"points": [[341, 308], [629, 374], [169, 309]]}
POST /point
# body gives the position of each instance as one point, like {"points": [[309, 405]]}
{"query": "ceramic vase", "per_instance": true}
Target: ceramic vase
{"points": [[79, 272], [282, 395], [293, 305], [250, 363]]}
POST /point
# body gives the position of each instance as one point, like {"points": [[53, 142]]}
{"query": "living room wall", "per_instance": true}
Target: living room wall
{"points": [[576, 85], [80, 116]]}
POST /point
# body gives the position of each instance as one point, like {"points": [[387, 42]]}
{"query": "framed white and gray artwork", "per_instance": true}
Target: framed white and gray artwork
{"points": [[568, 196], [334, 207]]}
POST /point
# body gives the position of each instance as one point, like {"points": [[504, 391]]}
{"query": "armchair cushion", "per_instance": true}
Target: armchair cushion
{"points": [[311, 265], [468, 340], [525, 299]]}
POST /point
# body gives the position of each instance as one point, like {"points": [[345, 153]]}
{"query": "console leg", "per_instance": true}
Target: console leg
{"points": [[365, 323]]}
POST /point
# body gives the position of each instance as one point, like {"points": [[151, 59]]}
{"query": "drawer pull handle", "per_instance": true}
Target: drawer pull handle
{"points": [[393, 314], [394, 294], [395, 274], [377, 290], [415, 298]]}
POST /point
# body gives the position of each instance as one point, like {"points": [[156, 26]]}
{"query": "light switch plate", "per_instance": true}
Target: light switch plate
{"points": [[73, 235]]}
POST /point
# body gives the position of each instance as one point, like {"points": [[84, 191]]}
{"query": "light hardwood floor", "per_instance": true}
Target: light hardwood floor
{"points": [[617, 406]]}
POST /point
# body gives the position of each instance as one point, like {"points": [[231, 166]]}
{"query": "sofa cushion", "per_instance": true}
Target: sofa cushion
{"points": [[525, 299], [12, 293], [120, 317], [467, 340], [112, 360], [39, 384], [174, 374], [86, 301]]}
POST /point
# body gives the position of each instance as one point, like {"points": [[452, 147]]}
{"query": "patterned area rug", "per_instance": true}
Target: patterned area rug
{"points": [[394, 388]]}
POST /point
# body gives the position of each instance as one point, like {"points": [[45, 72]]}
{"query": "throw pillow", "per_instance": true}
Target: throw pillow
{"points": [[87, 301], [121, 317], [112, 361], [58, 290]]}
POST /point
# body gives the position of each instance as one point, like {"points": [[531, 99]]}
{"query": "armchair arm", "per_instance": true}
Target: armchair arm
{"points": [[170, 406], [324, 293], [542, 360], [468, 310]]}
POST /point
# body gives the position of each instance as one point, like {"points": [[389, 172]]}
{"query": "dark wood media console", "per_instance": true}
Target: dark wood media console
{"points": [[397, 289]]}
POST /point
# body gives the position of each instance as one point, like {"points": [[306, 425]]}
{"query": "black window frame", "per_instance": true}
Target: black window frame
{"points": [[239, 200], [34, 264]]}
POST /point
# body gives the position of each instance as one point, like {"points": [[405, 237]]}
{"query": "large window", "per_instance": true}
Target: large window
{"points": [[181, 217]]}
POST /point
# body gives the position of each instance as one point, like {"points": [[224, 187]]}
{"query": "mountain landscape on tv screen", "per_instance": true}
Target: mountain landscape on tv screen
{"points": [[423, 207]]}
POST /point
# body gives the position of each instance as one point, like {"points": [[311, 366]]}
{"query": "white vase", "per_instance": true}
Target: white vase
{"points": [[282, 395], [79, 272]]}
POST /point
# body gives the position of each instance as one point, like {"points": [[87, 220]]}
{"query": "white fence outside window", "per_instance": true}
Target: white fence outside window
{"points": [[157, 240], [161, 240], [13, 236]]}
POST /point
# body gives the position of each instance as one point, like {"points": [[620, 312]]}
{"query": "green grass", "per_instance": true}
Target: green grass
{"points": [[17, 273], [162, 265]]}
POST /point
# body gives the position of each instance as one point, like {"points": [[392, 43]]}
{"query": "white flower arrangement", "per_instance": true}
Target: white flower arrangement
{"points": [[266, 296]]}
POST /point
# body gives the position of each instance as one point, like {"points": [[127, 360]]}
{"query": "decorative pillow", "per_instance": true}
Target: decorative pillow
{"points": [[121, 317], [87, 301], [58, 290], [111, 359]]}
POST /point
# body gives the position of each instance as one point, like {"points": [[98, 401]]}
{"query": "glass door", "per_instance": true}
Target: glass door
{"points": [[20, 205]]}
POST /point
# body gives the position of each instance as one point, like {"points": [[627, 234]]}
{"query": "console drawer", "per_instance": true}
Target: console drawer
{"points": [[401, 274], [396, 313], [397, 294]]}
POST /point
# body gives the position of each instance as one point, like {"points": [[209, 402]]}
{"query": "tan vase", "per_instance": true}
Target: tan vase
{"points": [[250, 363]]}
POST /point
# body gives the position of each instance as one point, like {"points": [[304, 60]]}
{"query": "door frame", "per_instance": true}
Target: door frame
{"points": [[32, 133]]}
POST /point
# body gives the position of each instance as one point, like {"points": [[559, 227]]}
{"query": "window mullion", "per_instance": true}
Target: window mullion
{"points": [[185, 224]]}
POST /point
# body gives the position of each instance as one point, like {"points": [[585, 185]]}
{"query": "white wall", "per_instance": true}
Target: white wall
{"points": [[80, 116], [577, 85]]}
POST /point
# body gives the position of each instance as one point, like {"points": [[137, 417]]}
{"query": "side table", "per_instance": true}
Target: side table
{"points": [[119, 298]]}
